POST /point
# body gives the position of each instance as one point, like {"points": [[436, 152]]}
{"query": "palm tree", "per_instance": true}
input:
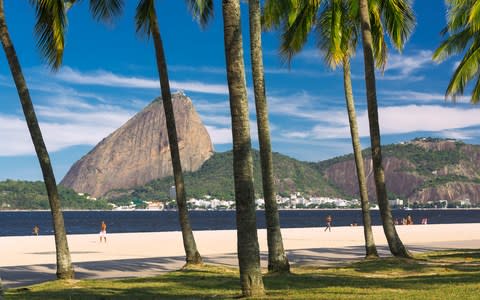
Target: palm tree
{"points": [[338, 24], [247, 239], [147, 23], [401, 25], [277, 260], [337, 27], [463, 25], [49, 29]]}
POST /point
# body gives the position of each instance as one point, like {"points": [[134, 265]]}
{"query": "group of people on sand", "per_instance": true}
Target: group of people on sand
{"points": [[103, 231], [405, 221], [408, 220]]}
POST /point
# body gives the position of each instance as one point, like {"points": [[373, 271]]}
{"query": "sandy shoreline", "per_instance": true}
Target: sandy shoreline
{"points": [[31, 259]]}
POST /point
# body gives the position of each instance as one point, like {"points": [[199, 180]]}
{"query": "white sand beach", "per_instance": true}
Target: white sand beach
{"points": [[30, 259]]}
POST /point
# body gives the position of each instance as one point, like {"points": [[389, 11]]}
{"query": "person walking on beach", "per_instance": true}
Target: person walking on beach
{"points": [[103, 232], [409, 220], [36, 230], [328, 220]]}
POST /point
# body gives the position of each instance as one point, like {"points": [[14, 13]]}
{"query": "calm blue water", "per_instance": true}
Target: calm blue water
{"points": [[20, 223]]}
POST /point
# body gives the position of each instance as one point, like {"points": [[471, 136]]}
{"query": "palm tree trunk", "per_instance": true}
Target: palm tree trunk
{"points": [[277, 260], [192, 254], [370, 248], [64, 264], [396, 246], [247, 239]]}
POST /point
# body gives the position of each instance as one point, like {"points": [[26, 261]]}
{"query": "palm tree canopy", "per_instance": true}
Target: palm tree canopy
{"points": [[202, 11], [102, 10], [51, 23], [337, 24], [463, 27], [50, 30]]}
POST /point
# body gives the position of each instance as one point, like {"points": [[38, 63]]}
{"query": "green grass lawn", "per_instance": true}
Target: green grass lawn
{"points": [[435, 275]]}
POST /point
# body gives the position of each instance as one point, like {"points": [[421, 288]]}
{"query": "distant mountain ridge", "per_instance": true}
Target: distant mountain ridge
{"points": [[139, 152], [425, 169], [133, 163], [418, 171], [421, 170]]}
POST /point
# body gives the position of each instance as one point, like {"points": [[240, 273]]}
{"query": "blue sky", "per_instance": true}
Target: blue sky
{"points": [[109, 74]]}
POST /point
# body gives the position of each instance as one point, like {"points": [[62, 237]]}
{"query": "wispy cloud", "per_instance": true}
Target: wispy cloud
{"points": [[71, 122], [198, 69], [400, 120], [105, 78], [403, 65], [303, 105], [419, 96]]}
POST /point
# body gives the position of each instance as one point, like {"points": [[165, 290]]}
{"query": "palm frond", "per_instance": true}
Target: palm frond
{"points": [[454, 44], [106, 10], [466, 70], [68, 4], [474, 16], [476, 91], [275, 12], [336, 32], [50, 30], [202, 10], [399, 20], [296, 29], [380, 49], [144, 17]]}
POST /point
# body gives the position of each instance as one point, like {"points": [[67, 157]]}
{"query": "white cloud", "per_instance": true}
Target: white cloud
{"points": [[304, 106], [411, 118], [405, 65], [13, 130], [104, 78], [220, 135], [402, 120], [71, 122]]}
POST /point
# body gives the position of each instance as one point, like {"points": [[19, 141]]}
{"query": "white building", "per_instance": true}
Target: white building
{"points": [[173, 192]]}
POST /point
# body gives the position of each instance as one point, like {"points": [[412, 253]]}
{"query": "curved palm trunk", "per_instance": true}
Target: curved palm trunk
{"points": [[396, 246], [370, 248], [277, 260], [64, 263], [247, 239], [192, 254]]}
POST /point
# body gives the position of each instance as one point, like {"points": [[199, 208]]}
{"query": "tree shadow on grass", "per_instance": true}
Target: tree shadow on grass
{"points": [[456, 254]]}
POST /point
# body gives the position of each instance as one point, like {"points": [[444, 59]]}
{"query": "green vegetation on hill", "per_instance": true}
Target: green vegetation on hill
{"points": [[17, 194], [425, 161], [215, 178]]}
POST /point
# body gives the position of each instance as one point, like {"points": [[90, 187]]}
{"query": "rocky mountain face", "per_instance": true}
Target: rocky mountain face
{"points": [[139, 152], [418, 171]]}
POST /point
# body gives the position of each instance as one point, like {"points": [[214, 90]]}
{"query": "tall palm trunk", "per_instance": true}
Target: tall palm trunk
{"points": [[277, 260], [64, 263], [396, 246], [247, 239], [370, 248], [192, 254]]}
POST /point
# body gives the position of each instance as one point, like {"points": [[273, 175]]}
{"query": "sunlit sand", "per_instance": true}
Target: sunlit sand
{"points": [[30, 259]]}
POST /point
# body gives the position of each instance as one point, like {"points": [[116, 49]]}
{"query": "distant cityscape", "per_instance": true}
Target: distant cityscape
{"points": [[294, 201]]}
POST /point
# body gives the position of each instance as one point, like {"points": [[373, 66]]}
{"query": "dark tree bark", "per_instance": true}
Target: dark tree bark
{"points": [[247, 239], [277, 260], [395, 244], [64, 264], [192, 254], [370, 248]]}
